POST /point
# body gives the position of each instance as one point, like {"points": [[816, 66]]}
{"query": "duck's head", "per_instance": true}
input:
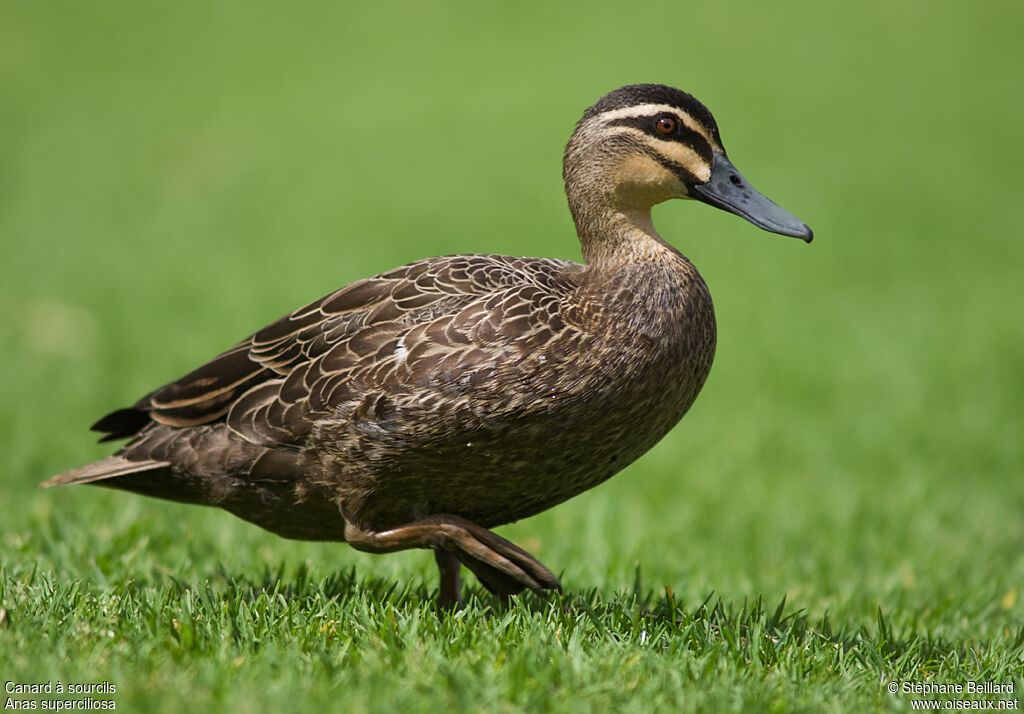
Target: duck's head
{"points": [[646, 143]]}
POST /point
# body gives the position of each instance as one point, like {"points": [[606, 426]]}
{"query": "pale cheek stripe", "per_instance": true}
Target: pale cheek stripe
{"points": [[683, 156]]}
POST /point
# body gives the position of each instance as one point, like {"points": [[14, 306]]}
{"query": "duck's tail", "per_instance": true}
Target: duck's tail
{"points": [[109, 467]]}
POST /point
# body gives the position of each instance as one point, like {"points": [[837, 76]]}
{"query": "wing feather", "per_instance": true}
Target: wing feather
{"points": [[398, 328]]}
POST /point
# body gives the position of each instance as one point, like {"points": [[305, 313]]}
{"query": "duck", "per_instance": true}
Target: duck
{"points": [[427, 405]]}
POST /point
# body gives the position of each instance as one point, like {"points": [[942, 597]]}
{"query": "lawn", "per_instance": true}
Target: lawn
{"points": [[842, 509]]}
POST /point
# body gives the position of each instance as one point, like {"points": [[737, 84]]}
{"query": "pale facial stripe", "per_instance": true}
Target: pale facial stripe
{"points": [[652, 110], [679, 156]]}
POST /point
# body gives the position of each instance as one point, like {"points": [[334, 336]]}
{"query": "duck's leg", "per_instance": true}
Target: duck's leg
{"points": [[449, 596], [503, 567]]}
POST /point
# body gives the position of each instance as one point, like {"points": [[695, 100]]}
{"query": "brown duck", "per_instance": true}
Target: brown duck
{"points": [[423, 406]]}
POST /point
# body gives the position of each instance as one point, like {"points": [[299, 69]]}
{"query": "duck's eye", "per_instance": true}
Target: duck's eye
{"points": [[665, 125]]}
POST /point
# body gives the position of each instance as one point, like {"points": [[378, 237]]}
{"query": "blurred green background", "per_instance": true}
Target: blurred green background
{"points": [[175, 175]]}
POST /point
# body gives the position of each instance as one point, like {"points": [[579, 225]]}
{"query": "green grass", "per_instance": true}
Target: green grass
{"points": [[841, 509]]}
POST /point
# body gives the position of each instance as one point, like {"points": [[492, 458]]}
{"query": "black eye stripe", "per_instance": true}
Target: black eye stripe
{"points": [[683, 134]]}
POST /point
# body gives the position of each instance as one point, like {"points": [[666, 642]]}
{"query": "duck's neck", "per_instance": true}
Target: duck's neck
{"points": [[645, 286], [614, 235]]}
